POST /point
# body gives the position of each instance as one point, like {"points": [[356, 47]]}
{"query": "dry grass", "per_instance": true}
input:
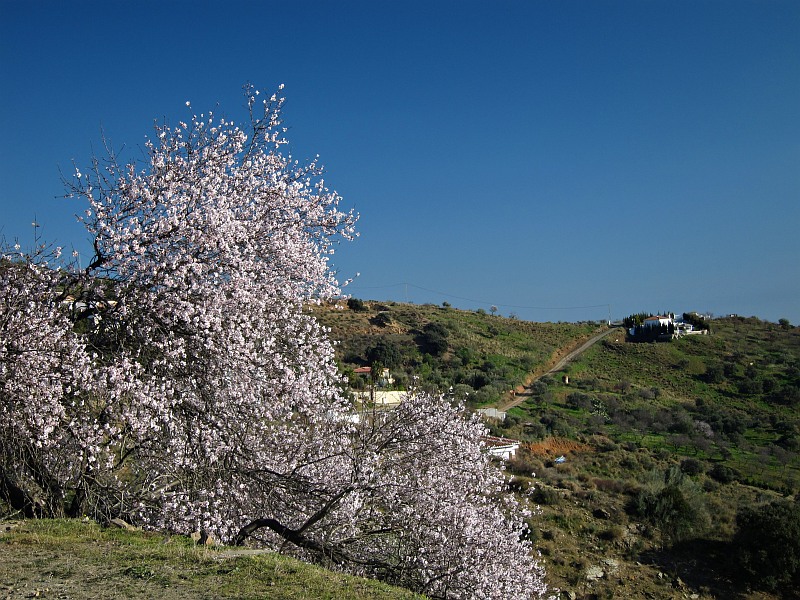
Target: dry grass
{"points": [[78, 559]]}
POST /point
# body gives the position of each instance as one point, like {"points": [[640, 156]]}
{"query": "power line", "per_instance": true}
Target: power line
{"points": [[419, 287]]}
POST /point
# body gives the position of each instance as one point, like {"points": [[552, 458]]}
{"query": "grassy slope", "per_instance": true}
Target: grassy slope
{"points": [[635, 413], [501, 352], [643, 403], [75, 559], [636, 406]]}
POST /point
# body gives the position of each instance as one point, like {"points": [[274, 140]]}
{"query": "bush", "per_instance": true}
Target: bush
{"points": [[691, 466], [610, 486], [579, 401], [723, 474], [546, 496], [612, 534], [525, 464], [673, 504], [385, 353], [538, 388], [715, 373], [767, 545], [787, 395], [382, 319], [603, 444], [750, 387], [433, 339], [356, 305]]}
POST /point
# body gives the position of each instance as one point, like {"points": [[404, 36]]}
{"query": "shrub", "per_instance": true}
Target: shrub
{"points": [[546, 496], [356, 305], [524, 464], [787, 395], [691, 466], [613, 486], [385, 353], [603, 444], [715, 373], [382, 319], [579, 401], [767, 545], [722, 473], [673, 504], [612, 534], [538, 388], [750, 387]]}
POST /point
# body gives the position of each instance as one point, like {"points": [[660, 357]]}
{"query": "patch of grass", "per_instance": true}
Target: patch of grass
{"points": [[488, 354], [77, 559]]}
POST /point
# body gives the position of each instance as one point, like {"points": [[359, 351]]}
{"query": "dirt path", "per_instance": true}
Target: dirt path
{"points": [[520, 397]]}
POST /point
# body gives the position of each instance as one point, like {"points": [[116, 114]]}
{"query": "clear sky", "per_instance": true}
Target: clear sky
{"points": [[562, 161]]}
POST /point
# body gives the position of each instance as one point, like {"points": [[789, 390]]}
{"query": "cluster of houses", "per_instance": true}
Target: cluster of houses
{"points": [[663, 327]]}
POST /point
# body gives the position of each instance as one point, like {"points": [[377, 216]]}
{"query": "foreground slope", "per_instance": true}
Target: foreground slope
{"points": [[79, 559]]}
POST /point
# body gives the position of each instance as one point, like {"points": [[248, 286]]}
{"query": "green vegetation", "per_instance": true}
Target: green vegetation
{"points": [[682, 462], [681, 440], [79, 559], [767, 543], [482, 357], [672, 502]]}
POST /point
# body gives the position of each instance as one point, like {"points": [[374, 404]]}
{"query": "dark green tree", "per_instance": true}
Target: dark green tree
{"points": [[356, 305], [385, 353], [767, 545], [434, 339], [672, 503]]}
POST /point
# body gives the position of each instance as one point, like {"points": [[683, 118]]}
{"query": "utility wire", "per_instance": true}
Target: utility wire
{"points": [[418, 287]]}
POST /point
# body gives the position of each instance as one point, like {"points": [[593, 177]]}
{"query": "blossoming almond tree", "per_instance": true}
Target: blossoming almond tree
{"points": [[210, 252], [221, 403], [54, 408]]}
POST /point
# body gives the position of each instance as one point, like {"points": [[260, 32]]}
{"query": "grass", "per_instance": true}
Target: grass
{"points": [[79, 559], [504, 352], [654, 395], [585, 502]]}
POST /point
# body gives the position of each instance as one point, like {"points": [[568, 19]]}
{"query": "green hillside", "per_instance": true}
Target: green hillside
{"points": [[670, 442], [665, 444], [681, 462], [482, 356]]}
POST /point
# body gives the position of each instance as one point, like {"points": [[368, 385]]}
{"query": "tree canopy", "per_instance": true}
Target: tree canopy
{"points": [[179, 382]]}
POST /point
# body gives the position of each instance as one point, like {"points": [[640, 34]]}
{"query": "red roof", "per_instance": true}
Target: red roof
{"points": [[490, 440]]}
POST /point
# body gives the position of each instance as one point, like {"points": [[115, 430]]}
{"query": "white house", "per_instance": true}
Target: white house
{"points": [[492, 413], [657, 321], [502, 448], [381, 398]]}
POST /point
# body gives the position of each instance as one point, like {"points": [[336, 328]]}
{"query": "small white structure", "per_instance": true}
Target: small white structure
{"points": [[492, 413], [502, 448], [380, 398], [657, 321]]}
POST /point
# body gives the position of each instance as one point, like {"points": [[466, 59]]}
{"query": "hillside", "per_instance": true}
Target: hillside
{"points": [[720, 410], [79, 559], [711, 420], [664, 445], [481, 356]]}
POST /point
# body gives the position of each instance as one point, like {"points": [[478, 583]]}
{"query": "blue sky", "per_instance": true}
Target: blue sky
{"points": [[561, 160]]}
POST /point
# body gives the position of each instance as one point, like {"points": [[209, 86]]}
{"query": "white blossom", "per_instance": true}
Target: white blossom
{"points": [[201, 394]]}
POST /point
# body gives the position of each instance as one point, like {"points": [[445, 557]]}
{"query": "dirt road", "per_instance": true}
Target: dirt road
{"points": [[519, 398]]}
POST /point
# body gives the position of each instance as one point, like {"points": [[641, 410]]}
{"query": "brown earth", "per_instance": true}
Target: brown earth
{"points": [[555, 446]]}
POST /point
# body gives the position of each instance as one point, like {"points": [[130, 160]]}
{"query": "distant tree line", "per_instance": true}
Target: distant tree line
{"points": [[635, 319]]}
